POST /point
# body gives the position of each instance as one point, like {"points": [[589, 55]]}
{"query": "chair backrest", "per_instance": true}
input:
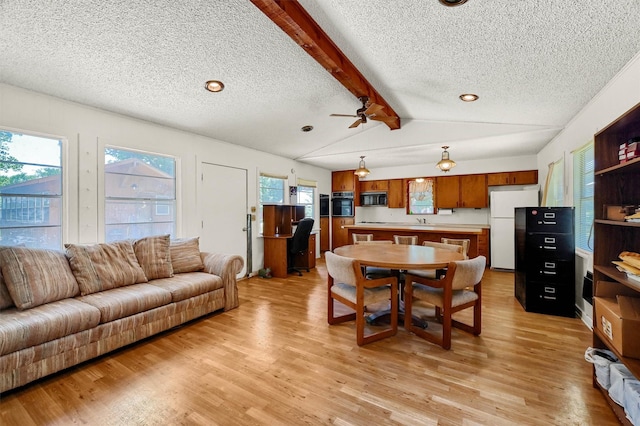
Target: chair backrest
{"points": [[451, 247], [468, 272], [375, 242], [410, 240], [361, 237], [462, 242], [343, 270], [300, 240]]}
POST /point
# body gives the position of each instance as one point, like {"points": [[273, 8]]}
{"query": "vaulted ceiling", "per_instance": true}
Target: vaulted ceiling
{"points": [[534, 64]]}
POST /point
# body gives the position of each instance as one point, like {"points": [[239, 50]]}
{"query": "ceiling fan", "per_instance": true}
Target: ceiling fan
{"points": [[369, 111]]}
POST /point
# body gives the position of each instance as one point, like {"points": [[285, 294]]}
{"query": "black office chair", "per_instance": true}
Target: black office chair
{"points": [[299, 244]]}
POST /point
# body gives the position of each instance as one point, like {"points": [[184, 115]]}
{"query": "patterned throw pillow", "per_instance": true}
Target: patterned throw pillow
{"points": [[154, 256], [35, 276], [185, 255], [99, 267]]}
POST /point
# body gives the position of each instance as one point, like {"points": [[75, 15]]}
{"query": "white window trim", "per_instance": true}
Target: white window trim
{"points": [[102, 144], [64, 162]]}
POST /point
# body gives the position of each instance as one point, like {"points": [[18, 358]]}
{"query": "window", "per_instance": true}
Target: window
{"points": [[306, 196], [421, 196], [583, 168], [140, 194], [270, 191], [554, 186], [30, 190]]}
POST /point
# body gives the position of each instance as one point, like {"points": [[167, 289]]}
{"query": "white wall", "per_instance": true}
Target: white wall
{"points": [[87, 129], [617, 97]]}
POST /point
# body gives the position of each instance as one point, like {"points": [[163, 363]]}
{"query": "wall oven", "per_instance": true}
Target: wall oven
{"points": [[342, 204]]}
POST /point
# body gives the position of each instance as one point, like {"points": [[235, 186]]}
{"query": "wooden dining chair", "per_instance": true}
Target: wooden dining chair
{"points": [[410, 240], [361, 237], [374, 271], [459, 289], [347, 285], [435, 273], [465, 243]]}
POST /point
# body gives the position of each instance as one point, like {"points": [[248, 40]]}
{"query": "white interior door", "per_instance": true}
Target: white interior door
{"points": [[223, 206]]}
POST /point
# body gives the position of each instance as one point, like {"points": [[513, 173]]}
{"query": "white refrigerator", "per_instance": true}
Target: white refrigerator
{"points": [[502, 236]]}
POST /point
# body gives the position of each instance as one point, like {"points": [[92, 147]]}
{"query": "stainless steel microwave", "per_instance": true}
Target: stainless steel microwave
{"points": [[373, 199]]}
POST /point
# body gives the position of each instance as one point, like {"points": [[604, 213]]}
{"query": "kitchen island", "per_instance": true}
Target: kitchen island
{"points": [[476, 234]]}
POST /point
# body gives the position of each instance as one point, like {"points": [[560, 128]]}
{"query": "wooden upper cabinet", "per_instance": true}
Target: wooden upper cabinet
{"points": [[447, 192], [474, 191], [396, 194], [525, 177], [464, 191], [374, 185], [344, 180]]}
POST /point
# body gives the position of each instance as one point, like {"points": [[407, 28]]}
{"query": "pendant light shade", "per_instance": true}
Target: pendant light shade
{"points": [[362, 171], [445, 164]]}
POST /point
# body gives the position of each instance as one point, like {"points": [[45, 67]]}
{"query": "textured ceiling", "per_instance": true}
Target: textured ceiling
{"points": [[533, 63]]}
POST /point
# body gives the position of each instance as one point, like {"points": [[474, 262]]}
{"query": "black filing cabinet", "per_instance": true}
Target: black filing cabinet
{"points": [[545, 260]]}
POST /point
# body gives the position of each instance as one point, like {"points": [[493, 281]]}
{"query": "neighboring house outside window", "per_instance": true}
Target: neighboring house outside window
{"points": [[30, 190], [583, 185], [270, 191], [421, 196], [140, 194]]}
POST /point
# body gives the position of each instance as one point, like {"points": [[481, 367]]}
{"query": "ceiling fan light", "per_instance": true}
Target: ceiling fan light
{"points": [[446, 163], [362, 170], [469, 97], [452, 3]]}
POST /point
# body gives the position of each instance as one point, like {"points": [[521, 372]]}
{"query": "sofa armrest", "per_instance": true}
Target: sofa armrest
{"points": [[226, 266]]}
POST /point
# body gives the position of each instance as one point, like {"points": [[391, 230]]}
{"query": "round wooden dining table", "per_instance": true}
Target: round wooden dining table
{"points": [[399, 256]]}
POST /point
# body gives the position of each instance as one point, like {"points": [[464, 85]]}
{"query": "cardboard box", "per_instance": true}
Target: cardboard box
{"points": [[617, 316]]}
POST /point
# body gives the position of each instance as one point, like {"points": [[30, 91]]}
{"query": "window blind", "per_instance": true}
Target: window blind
{"points": [[583, 186]]}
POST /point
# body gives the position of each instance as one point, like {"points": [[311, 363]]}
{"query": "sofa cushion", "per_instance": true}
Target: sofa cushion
{"points": [[154, 256], [22, 329], [36, 276], [5, 298], [185, 255], [184, 286], [125, 301], [100, 267]]}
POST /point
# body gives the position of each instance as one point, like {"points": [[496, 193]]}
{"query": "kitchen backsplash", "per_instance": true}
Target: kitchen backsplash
{"points": [[459, 216]]}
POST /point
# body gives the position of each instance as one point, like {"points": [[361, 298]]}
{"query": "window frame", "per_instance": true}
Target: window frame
{"points": [[64, 200], [433, 195], [104, 198], [312, 186], [261, 203]]}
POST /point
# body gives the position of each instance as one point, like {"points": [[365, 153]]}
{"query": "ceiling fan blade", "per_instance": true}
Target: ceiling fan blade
{"points": [[342, 115], [373, 108], [355, 123]]}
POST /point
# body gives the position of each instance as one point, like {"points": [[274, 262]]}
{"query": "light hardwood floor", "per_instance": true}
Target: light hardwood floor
{"points": [[274, 360]]}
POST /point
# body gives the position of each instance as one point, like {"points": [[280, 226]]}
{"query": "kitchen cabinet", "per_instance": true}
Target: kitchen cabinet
{"points": [[483, 246], [374, 186], [344, 180], [463, 191], [396, 195], [324, 234], [615, 184], [525, 177], [340, 235]]}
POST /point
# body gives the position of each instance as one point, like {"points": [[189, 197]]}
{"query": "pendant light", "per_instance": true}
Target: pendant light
{"points": [[362, 171], [445, 164]]}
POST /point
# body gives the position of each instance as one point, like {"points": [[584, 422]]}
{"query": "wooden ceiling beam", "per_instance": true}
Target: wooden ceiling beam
{"points": [[294, 20]]}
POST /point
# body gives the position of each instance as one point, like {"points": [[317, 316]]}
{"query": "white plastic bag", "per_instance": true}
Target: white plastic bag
{"points": [[601, 359]]}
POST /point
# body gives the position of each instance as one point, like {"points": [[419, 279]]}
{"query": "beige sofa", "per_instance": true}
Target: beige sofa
{"points": [[60, 309]]}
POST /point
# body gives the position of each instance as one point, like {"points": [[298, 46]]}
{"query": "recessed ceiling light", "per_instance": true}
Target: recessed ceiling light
{"points": [[452, 3], [214, 86], [306, 128], [469, 97]]}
